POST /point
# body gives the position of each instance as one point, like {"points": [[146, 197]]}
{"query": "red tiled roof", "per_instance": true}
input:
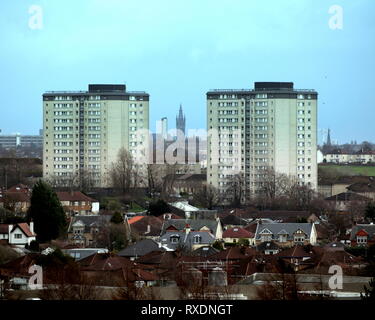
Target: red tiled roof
{"points": [[19, 188], [104, 262], [362, 233], [233, 253], [15, 196], [294, 252], [135, 219], [73, 196], [237, 233], [26, 229]]}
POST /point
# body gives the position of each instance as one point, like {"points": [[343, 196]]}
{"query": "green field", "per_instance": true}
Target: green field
{"points": [[344, 170]]}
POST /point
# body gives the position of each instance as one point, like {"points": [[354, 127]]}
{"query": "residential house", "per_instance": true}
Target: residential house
{"points": [[234, 235], [188, 183], [18, 234], [362, 235], [297, 257], [16, 198], [77, 203], [343, 157], [84, 229], [346, 200], [330, 186], [16, 272], [213, 226], [107, 269], [286, 234], [365, 189], [186, 239]]}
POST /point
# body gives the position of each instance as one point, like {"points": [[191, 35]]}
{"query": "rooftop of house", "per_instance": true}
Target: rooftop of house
{"points": [[276, 229], [88, 221], [362, 187], [146, 225], [237, 233], [294, 252], [24, 227], [104, 261], [15, 197], [205, 251], [184, 206], [195, 225], [365, 229], [347, 196], [140, 248], [177, 239], [233, 253], [73, 196]]}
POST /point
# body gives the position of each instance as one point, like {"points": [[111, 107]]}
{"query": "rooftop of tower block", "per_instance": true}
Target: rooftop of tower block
{"points": [[277, 89]]}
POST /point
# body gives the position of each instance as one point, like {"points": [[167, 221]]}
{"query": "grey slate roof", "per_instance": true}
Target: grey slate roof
{"points": [[90, 221], [282, 228], [369, 228], [195, 225], [186, 240], [140, 248]]}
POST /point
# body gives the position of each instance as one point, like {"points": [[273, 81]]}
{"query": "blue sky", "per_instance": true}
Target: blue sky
{"points": [[178, 50]]}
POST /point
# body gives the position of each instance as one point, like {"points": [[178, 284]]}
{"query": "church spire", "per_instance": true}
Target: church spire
{"points": [[181, 121]]}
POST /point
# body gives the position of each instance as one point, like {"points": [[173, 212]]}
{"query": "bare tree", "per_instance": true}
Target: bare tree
{"points": [[169, 180], [206, 196], [125, 173]]}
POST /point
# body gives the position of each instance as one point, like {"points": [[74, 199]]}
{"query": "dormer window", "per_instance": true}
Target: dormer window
{"points": [[174, 239], [265, 235], [197, 239]]}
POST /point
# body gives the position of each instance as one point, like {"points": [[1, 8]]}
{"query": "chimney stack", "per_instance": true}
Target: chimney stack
{"points": [[31, 226]]}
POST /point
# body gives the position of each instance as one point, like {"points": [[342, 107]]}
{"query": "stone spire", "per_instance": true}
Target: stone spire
{"points": [[181, 120]]}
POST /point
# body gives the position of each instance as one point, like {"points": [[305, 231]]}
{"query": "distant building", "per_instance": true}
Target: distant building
{"points": [[19, 234], [362, 235], [252, 130], [339, 156], [286, 234], [84, 130], [77, 203], [17, 140]]}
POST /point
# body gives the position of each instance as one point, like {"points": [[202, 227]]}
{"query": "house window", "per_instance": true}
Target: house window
{"points": [[282, 238], [174, 239], [18, 236], [197, 239], [299, 239], [362, 240], [266, 237]]}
